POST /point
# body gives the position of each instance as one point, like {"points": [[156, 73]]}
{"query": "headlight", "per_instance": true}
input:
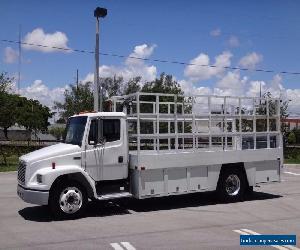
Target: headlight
{"points": [[39, 178]]}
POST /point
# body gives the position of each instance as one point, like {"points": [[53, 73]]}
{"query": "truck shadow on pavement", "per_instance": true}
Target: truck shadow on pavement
{"points": [[130, 206]]}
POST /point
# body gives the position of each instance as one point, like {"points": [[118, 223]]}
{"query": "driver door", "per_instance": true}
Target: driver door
{"points": [[106, 153]]}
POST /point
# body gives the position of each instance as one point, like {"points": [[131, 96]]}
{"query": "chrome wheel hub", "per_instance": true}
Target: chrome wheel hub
{"points": [[70, 200], [232, 185]]}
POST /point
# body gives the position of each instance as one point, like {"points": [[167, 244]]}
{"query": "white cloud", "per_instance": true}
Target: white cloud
{"points": [[141, 51], [197, 72], [190, 89], [132, 67], [10, 55], [276, 83], [293, 95], [275, 87], [255, 87], [232, 83], [215, 32], [233, 41], [38, 36], [39, 91], [251, 60]]}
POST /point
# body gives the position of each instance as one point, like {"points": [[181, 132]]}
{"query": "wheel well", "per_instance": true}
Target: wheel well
{"points": [[77, 177], [237, 165]]}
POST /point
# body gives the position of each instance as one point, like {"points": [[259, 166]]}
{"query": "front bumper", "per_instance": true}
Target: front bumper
{"points": [[38, 197]]}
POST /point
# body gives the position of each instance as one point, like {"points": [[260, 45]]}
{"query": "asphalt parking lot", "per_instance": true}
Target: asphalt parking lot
{"points": [[180, 222]]}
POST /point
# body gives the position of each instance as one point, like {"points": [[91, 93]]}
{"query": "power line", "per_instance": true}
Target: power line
{"points": [[153, 60]]}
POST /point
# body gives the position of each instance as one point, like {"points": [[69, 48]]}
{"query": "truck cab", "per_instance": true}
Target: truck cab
{"points": [[93, 157]]}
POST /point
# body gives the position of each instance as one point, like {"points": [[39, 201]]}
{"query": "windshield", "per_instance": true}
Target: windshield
{"points": [[75, 129]]}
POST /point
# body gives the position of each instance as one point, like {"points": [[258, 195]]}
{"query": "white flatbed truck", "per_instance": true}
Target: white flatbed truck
{"points": [[159, 145]]}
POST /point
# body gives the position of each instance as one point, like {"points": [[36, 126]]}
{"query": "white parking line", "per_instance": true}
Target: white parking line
{"points": [[125, 244], [128, 246], [250, 232], [116, 246], [255, 233], [291, 173], [240, 232]]}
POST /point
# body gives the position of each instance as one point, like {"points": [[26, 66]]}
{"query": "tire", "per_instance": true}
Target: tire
{"points": [[68, 200], [231, 185], [250, 190]]}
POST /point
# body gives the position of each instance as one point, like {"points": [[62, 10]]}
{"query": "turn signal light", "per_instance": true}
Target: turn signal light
{"points": [[53, 165]]}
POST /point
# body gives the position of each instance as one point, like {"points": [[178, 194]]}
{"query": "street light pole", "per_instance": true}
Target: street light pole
{"points": [[96, 74], [99, 12]]}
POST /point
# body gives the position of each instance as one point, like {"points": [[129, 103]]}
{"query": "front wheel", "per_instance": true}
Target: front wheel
{"points": [[68, 200], [231, 185]]}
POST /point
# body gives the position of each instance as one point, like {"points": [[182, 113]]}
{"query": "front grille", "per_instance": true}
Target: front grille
{"points": [[21, 172]]}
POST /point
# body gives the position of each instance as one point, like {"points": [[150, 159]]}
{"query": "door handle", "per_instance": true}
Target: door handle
{"points": [[120, 159]]}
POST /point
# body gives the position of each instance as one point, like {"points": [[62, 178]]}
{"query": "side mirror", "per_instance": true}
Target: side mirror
{"points": [[101, 141]]}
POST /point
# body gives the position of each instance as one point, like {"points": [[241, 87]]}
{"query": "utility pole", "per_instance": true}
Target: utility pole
{"points": [[260, 93], [99, 12], [19, 62], [77, 79]]}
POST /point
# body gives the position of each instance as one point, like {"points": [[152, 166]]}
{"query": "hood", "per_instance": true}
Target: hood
{"points": [[51, 151]]}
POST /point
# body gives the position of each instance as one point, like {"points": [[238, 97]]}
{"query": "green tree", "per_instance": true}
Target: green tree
{"points": [[163, 84], [9, 111], [283, 115], [112, 86], [61, 121], [8, 103], [261, 125], [57, 132], [77, 99], [33, 115], [80, 98], [5, 82], [6, 117], [133, 86], [292, 138], [19, 110], [167, 85], [297, 135]]}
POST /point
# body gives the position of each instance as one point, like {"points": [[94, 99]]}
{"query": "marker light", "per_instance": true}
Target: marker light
{"points": [[53, 165]]}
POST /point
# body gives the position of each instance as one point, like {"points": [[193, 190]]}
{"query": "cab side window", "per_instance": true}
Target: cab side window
{"points": [[93, 134], [111, 129]]}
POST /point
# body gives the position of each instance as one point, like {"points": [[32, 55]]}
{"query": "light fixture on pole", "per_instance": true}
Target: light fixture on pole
{"points": [[99, 12]]}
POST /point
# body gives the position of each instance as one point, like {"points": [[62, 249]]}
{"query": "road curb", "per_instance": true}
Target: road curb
{"points": [[291, 165], [8, 172]]}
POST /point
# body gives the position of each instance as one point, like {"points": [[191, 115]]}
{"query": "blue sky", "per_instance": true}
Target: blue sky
{"points": [[252, 34]]}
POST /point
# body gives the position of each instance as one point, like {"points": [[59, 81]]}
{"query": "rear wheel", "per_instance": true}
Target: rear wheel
{"points": [[231, 185], [68, 200]]}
